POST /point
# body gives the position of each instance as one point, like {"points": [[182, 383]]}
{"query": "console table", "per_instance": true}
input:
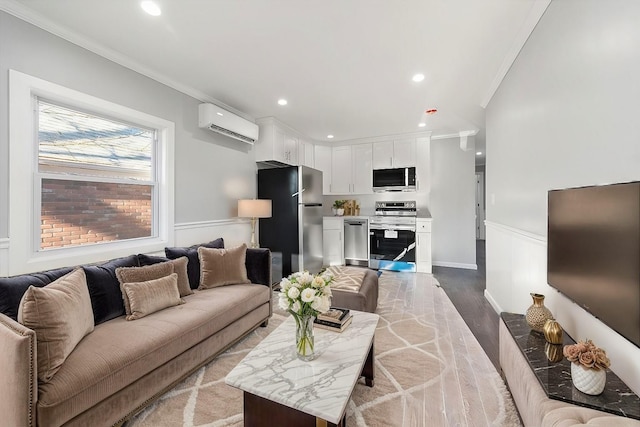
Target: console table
{"points": [[555, 377]]}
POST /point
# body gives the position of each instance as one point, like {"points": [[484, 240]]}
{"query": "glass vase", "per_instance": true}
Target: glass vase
{"points": [[304, 337]]}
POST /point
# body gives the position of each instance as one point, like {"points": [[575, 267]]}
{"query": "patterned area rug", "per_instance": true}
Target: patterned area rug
{"points": [[430, 371]]}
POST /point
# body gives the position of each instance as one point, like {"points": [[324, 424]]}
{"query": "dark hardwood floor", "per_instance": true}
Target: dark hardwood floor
{"points": [[465, 288]]}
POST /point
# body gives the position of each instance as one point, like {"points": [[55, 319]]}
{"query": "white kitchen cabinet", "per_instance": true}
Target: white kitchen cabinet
{"points": [[362, 169], [322, 162], [276, 142], [423, 245], [394, 154], [351, 169], [305, 153], [341, 181], [333, 241]]}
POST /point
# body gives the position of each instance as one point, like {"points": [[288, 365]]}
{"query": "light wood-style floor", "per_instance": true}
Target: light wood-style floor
{"points": [[465, 288]]}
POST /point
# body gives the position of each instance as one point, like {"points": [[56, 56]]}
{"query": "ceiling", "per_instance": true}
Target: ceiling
{"points": [[344, 66]]}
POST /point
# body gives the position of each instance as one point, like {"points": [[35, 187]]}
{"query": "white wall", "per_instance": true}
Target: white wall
{"points": [[211, 171], [565, 115], [453, 193]]}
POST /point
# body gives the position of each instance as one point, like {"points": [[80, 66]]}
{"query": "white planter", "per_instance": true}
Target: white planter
{"points": [[588, 381]]}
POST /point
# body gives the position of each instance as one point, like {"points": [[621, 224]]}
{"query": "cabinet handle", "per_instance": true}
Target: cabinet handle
{"points": [[391, 161]]}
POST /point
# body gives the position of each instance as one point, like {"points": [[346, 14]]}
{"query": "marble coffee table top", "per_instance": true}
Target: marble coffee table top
{"points": [[321, 387]]}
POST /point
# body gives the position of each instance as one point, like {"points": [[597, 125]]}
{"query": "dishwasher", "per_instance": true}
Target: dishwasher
{"points": [[356, 241]]}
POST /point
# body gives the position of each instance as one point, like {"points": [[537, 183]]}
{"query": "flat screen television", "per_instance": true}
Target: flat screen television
{"points": [[593, 252]]}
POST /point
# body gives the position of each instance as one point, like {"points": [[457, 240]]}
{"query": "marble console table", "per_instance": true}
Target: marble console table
{"points": [[555, 378]]}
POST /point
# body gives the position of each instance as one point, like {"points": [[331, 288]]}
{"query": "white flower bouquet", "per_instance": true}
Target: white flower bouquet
{"points": [[304, 296]]}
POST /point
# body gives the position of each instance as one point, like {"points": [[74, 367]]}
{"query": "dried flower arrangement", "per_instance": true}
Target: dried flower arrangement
{"points": [[587, 354]]}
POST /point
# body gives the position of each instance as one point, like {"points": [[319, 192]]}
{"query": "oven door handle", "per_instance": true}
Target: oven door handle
{"points": [[392, 227]]}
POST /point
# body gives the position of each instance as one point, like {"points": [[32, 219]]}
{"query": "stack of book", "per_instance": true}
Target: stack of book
{"points": [[336, 319]]}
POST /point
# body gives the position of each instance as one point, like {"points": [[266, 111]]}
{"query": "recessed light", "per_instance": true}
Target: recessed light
{"points": [[151, 8], [421, 125], [219, 113], [418, 77], [330, 136], [282, 101], [479, 153]]}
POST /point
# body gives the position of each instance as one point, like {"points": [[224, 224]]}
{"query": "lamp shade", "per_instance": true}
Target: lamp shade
{"points": [[254, 208]]}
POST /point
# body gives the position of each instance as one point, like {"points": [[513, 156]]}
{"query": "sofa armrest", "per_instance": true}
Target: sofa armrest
{"points": [[258, 262], [19, 379]]}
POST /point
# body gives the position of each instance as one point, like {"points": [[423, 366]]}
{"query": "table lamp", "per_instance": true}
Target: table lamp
{"points": [[254, 209]]}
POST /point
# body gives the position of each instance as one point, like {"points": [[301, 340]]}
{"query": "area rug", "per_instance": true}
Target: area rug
{"points": [[430, 371]]}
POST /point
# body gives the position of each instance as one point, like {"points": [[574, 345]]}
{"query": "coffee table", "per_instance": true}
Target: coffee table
{"points": [[282, 390]]}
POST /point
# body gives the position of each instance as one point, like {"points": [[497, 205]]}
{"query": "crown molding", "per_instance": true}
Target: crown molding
{"points": [[537, 10], [26, 14]]}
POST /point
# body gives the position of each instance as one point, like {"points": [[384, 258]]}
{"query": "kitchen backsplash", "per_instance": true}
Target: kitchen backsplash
{"points": [[367, 201]]}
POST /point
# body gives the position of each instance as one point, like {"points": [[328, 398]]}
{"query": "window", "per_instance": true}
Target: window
{"points": [[96, 178], [100, 180]]}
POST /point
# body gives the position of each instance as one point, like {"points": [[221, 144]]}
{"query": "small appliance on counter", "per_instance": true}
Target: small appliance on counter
{"points": [[392, 236]]}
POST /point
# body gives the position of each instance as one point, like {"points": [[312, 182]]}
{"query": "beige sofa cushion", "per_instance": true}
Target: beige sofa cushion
{"points": [[119, 352], [151, 296], [61, 315], [180, 268], [140, 274], [220, 267]]}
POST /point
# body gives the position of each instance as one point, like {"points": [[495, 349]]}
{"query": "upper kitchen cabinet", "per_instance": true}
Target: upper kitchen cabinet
{"points": [[306, 153], [351, 169], [322, 162], [394, 154], [276, 142]]}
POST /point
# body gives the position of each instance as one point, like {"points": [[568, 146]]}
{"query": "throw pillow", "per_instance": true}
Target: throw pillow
{"points": [[193, 267], [140, 274], [221, 267], [152, 295], [60, 314], [104, 288], [180, 267]]}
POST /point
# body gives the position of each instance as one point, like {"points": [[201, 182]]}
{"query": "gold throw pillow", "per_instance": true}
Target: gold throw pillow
{"points": [[61, 315], [219, 267], [152, 295]]}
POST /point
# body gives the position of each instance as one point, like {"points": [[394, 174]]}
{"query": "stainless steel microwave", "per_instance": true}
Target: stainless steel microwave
{"points": [[396, 179]]}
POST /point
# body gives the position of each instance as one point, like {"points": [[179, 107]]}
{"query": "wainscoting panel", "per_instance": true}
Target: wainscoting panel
{"points": [[233, 231], [517, 266], [4, 256]]}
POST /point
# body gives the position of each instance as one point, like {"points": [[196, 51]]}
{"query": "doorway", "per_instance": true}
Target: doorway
{"points": [[480, 206]]}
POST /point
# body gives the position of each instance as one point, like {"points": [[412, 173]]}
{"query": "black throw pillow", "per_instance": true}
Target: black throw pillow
{"points": [[13, 288], [193, 266], [104, 288]]}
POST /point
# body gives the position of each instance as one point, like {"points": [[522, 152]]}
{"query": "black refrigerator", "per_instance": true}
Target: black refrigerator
{"points": [[294, 231]]}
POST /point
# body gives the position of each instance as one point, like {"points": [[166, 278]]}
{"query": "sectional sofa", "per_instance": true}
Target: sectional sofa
{"points": [[137, 334]]}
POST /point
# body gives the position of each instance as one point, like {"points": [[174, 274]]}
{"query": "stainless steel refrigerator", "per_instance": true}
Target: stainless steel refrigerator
{"points": [[294, 231]]}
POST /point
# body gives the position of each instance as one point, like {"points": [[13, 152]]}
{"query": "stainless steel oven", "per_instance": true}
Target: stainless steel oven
{"points": [[392, 237]]}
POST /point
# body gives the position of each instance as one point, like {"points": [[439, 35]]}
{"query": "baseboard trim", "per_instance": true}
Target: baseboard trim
{"points": [[455, 265], [493, 302]]}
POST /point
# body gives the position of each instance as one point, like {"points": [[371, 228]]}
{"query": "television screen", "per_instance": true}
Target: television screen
{"points": [[593, 252]]}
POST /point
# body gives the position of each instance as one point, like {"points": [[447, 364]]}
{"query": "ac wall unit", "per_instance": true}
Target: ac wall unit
{"points": [[219, 120]]}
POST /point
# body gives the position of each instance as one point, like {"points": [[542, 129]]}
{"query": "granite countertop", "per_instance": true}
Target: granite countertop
{"points": [[555, 377]]}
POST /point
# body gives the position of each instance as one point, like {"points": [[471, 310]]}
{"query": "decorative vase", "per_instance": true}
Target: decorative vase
{"points": [[304, 337], [553, 352], [537, 314], [588, 381], [552, 331], [340, 211]]}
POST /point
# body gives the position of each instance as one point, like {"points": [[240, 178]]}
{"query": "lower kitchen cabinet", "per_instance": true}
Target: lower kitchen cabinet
{"points": [[333, 240], [423, 245]]}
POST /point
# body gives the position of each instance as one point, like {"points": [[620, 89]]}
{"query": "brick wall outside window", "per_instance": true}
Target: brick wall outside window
{"points": [[80, 212]]}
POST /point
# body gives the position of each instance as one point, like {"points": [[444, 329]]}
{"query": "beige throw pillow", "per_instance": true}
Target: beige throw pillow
{"points": [[61, 315], [141, 274], [180, 268], [219, 267], [152, 295]]}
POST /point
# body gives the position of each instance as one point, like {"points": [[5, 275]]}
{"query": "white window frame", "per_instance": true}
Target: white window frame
{"points": [[24, 222]]}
